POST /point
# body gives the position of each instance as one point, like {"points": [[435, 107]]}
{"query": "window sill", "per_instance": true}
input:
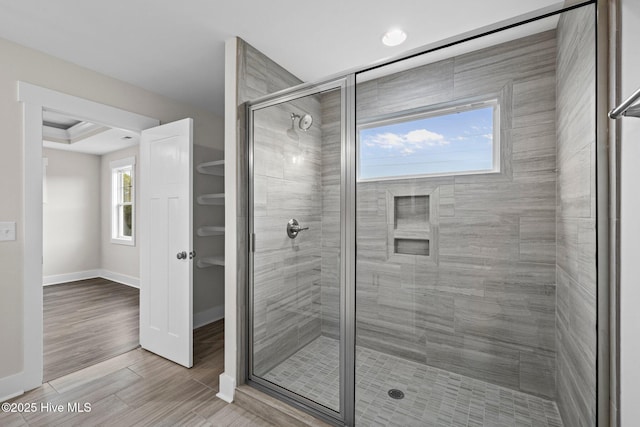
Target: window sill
{"points": [[125, 242], [431, 175]]}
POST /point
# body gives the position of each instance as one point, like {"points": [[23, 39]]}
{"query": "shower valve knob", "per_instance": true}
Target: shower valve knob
{"points": [[293, 228]]}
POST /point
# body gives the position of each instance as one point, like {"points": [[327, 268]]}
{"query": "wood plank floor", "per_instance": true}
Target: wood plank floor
{"points": [[86, 322], [139, 388]]}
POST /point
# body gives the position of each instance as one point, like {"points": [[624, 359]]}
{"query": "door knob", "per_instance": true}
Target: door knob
{"points": [[181, 255], [192, 254]]}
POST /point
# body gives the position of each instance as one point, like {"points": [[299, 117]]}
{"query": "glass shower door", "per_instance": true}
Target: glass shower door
{"points": [[295, 201], [476, 277]]}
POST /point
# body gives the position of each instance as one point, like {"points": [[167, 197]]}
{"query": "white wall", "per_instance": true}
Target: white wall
{"points": [[20, 63], [115, 258], [71, 213], [232, 345], [630, 224]]}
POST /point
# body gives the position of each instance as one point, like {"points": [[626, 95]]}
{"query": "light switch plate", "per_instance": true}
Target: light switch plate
{"points": [[7, 231]]}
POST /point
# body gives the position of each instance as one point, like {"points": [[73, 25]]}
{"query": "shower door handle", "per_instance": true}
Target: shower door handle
{"points": [[293, 228]]}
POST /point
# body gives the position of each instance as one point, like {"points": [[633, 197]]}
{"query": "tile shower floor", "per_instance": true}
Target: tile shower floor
{"points": [[433, 397]]}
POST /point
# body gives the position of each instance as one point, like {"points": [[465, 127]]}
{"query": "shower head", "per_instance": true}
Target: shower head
{"points": [[305, 122]]}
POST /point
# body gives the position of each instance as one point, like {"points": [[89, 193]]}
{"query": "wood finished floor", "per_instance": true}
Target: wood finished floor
{"points": [[86, 322], [139, 388]]}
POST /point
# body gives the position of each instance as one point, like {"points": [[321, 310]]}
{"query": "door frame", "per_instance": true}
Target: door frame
{"points": [[34, 99], [346, 86]]}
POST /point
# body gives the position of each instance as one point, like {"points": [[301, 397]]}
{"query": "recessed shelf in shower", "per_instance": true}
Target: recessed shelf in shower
{"points": [[410, 228]]}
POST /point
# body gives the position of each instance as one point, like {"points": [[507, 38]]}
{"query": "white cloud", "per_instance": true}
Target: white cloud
{"points": [[422, 136], [406, 143]]}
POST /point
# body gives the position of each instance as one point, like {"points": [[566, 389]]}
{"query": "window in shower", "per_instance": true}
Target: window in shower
{"points": [[459, 139]]}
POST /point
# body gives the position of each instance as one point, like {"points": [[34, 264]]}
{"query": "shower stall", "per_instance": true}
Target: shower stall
{"points": [[422, 235]]}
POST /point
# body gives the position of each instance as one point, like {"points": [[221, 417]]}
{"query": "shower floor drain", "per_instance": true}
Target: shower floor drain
{"points": [[394, 393]]}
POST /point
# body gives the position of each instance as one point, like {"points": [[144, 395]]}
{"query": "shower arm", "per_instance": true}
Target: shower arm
{"points": [[627, 108]]}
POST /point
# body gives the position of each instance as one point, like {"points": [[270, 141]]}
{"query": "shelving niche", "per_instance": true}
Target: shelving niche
{"points": [[211, 199], [210, 230], [214, 168], [210, 261]]}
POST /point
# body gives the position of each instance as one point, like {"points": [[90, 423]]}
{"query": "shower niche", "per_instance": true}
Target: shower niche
{"points": [[411, 226]]}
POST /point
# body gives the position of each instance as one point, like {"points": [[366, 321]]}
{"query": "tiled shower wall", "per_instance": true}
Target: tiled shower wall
{"points": [[331, 162], [484, 305], [257, 76], [287, 184], [278, 305], [576, 219]]}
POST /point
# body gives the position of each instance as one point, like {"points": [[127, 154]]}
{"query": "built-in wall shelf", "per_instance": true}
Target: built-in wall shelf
{"points": [[211, 199], [412, 221], [210, 230], [211, 168], [214, 168], [210, 261]]}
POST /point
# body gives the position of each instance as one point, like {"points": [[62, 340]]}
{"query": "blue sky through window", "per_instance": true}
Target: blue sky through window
{"points": [[458, 142]]}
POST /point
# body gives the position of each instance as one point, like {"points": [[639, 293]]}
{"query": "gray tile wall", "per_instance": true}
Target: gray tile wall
{"points": [[291, 307], [484, 306], [287, 183], [331, 161], [287, 179], [576, 216], [257, 76]]}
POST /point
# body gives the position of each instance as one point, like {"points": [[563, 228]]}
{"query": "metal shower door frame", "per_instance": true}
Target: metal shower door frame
{"points": [[346, 413]]}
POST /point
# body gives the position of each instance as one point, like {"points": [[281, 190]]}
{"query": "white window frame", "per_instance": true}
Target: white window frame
{"points": [[435, 111], [117, 166]]}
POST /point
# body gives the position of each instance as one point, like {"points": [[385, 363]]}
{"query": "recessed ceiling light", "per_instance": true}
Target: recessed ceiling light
{"points": [[394, 37]]}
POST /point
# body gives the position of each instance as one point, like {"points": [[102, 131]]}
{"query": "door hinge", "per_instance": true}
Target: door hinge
{"points": [[252, 242]]}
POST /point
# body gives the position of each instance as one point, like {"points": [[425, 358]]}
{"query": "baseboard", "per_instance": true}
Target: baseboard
{"points": [[134, 282], [70, 277], [56, 279], [211, 315], [227, 386], [11, 387]]}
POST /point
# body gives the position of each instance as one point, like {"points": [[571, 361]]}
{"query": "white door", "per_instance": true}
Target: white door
{"points": [[166, 257]]}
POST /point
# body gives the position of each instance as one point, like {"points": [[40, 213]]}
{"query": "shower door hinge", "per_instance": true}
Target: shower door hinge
{"points": [[252, 242]]}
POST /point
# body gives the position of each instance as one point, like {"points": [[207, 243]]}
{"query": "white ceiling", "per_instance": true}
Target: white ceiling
{"points": [[176, 48], [107, 141], [62, 132]]}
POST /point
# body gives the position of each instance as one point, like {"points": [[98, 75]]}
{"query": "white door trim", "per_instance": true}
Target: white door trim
{"points": [[34, 99]]}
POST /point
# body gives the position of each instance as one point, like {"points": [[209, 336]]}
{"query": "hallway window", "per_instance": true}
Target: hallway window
{"points": [[123, 201]]}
